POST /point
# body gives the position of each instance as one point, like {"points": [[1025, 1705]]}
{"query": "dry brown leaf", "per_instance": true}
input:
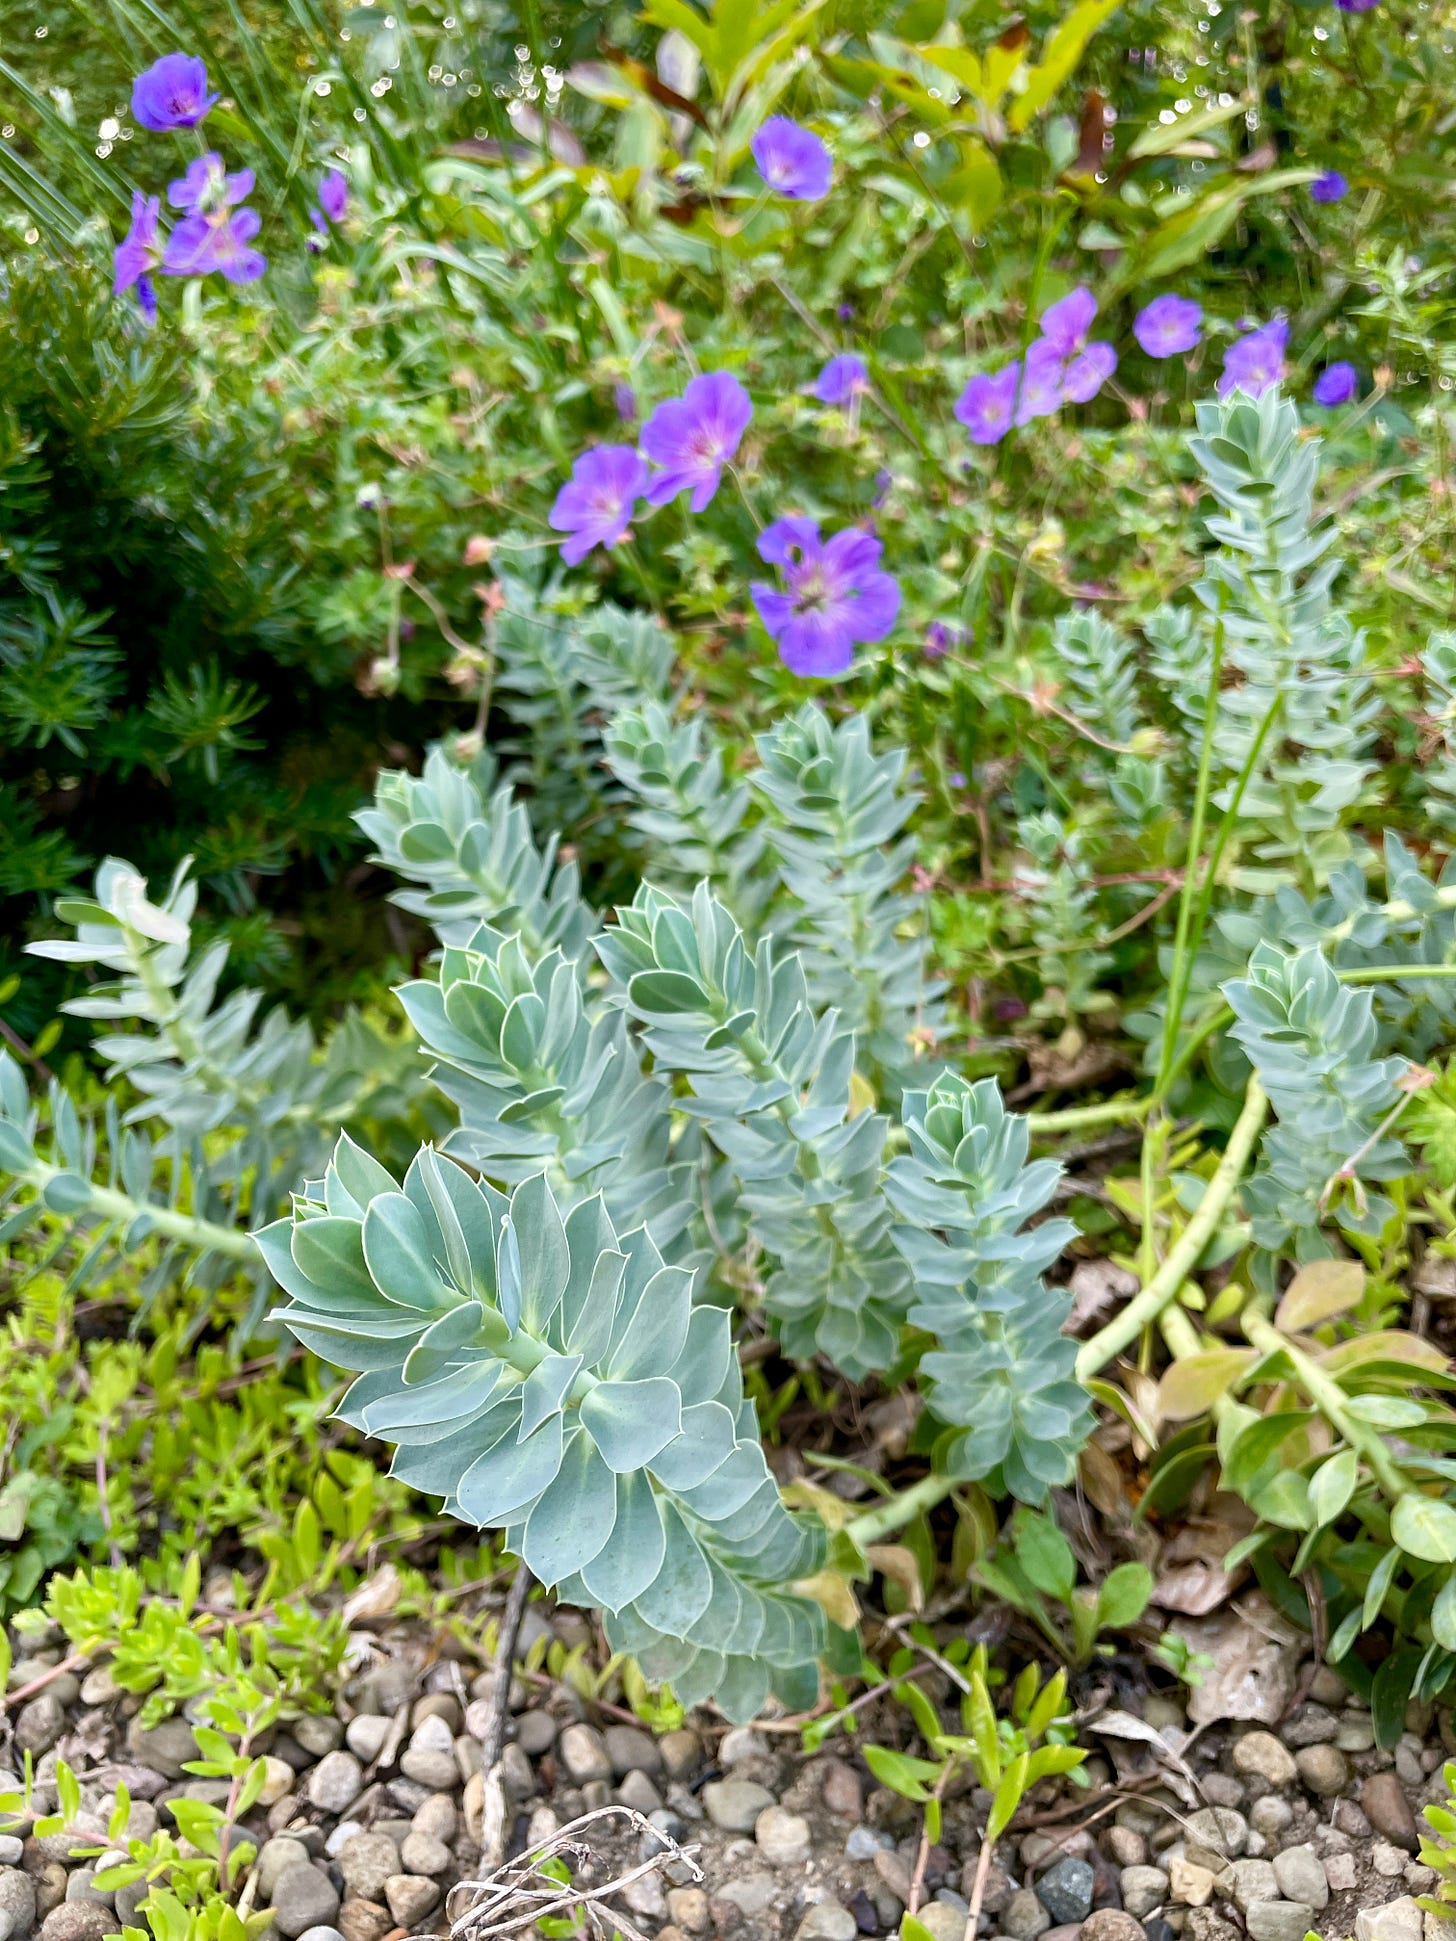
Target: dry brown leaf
{"points": [[1318, 1292]]}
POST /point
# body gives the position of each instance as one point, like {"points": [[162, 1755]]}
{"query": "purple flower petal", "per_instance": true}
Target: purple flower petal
{"points": [[1065, 323], [792, 160], [693, 437], [842, 378], [1329, 187], [1336, 385], [333, 194], [1255, 362], [208, 187], [172, 93], [1168, 325], [595, 506], [986, 405], [1041, 382], [835, 597], [139, 251], [1085, 376]]}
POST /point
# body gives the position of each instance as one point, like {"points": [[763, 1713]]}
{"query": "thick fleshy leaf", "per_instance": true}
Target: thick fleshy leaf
{"points": [[511, 1475], [453, 1398], [705, 1442], [545, 1390], [398, 1249], [631, 1421], [464, 1218], [544, 1255], [459, 1327], [681, 1591], [653, 1335], [330, 1254], [573, 1517], [631, 1559]]}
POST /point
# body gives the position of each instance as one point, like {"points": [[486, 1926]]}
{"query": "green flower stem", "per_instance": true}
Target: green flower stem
{"points": [[1331, 1401], [206, 1235], [1110, 1112], [896, 1511], [1393, 973], [1163, 1287], [1182, 956]]}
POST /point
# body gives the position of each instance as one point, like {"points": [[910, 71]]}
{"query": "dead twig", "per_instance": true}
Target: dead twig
{"points": [[514, 1897], [492, 1744]]}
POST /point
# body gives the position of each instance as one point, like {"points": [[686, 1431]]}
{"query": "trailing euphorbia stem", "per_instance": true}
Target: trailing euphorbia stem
{"points": [[1164, 1285], [896, 1511], [1331, 1401]]}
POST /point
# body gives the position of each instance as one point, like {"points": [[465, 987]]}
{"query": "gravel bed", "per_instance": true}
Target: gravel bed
{"points": [[372, 1814]]}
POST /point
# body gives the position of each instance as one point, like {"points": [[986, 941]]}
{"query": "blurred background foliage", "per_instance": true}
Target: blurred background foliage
{"points": [[251, 554]]}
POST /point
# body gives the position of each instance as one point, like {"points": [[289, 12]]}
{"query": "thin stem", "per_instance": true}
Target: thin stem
{"points": [[877, 1524], [1394, 973], [978, 1888], [205, 1235], [1178, 982], [1331, 1401], [1110, 1112], [1166, 1283]]}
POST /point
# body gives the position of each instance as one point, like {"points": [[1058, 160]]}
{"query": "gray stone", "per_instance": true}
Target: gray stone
{"points": [[436, 1772], [782, 1837], [734, 1804], [40, 1723], [1301, 1876], [411, 1897], [864, 1842], [535, 1733], [439, 1816], [303, 1897], [752, 1894], [11, 1848], [1324, 1768], [1278, 1921], [826, 1922], [99, 1687], [17, 1903], [437, 1705], [1126, 1846], [1024, 1918], [163, 1747], [1220, 1829], [1398, 1920], [277, 1781], [584, 1754], [127, 1900], [366, 1734], [1222, 1789], [688, 1907], [1065, 1890], [740, 1744], [342, 1834], [1270, 1815], [518, 1776], [81, 1886], [638, 1792], [682, 1752], [1384, 1804], [366, 1863], [631, 1750], [843, 1791], [318, 1733], [1387, 1860], [1247, 1882], [274, 1858], [1143, 1889], [321, 1934], [77, 1921], [1311, 1725], [335, 1782], [50, 1888], [1261, 1756], [422, 1853]]}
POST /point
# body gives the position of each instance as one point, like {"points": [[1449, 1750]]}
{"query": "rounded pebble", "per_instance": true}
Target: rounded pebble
{"points": [[1324, 1768]]}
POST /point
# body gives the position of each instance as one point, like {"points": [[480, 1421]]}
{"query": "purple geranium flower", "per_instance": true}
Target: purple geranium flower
{"points": [[1336, 384], [1254, 362], [792, 160], [207, 186], [595, 507], [203, 244], [1168, 325], [1065, 324], [986, 405], [172, 93], [1329, 187], [140, 252], [842, 378], [624, 402], [940, 638], [693, 437], [1357, 6], [836, 595]]}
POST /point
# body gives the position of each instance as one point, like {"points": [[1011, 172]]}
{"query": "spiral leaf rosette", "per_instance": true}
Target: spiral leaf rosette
{"points": [[552, 1378]]}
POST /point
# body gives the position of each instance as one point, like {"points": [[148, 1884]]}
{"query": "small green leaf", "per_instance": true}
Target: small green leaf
{"points": [[1425, 1527]]}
